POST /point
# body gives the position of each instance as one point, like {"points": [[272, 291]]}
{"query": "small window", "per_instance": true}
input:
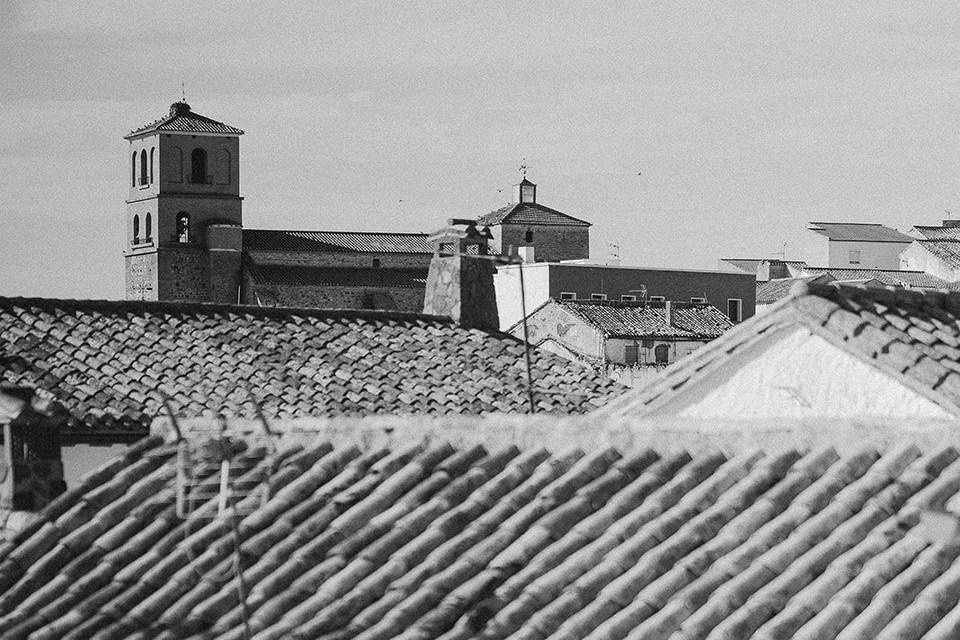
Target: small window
{"points": [[153, 152], [657, 299], [598, 296], [143, 167], [183, 227], [628, 297], [734, 309], [133, 170], [136, 229], [662, 354], [568, 295], [376, 263], [698, 300], [630, 354], [198, 166], [149, 227], [528, 236]]}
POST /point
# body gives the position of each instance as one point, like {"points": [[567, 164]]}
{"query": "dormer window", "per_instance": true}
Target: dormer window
{"points": [[198, 166]]}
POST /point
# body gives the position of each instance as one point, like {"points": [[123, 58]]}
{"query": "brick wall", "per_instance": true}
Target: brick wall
{"points": [[551, 243]]}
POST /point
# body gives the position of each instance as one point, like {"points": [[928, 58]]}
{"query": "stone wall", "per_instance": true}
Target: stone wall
{"points": [[334, 297], [340, 259], [184, 273], [140, 281], [462, 288]]}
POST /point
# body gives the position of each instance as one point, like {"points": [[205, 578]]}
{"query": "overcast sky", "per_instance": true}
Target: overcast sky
{"points": [[744, 120]]}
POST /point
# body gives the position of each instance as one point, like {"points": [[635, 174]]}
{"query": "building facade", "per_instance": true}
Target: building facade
{"points": [[733, 293], [854, 245]]}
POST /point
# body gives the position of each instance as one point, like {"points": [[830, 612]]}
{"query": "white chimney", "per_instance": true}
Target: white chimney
{"points": [[526, 254], [668, 313]]}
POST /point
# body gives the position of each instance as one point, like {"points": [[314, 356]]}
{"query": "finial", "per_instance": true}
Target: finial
{"points": [[183, 93]]}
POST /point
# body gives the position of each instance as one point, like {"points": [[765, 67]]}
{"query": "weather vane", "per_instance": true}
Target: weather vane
{"points": [[183, 93], [523, 167]]}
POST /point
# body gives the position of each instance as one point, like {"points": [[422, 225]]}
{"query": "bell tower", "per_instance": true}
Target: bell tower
{"points": [[183, 219]]}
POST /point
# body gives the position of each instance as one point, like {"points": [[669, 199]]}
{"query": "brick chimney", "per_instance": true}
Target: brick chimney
{"points": [[460, 281], [32, 473]]}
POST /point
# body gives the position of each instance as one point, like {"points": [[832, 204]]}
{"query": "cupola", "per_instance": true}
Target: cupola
{"points": [[525, 191]]}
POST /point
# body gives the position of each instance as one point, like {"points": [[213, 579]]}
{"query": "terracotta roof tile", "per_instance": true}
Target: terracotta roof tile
{"points": [[336, 241], [298, 361], [182, 120], [530, 213], [858, 232], [638, 319], [433, 540]]}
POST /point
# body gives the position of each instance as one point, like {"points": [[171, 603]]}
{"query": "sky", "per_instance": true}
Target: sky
{"points": [[684, 131]]}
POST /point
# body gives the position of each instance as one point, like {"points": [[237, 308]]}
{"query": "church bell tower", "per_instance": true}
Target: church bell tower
{"points": [[184, 221]]}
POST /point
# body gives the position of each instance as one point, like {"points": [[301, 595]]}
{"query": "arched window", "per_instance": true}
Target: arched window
{"points": [[143, 166], [198, 166], [183, 227], [149, 227], [153, 152], [133, 170], [136, 229], [528, 236]]}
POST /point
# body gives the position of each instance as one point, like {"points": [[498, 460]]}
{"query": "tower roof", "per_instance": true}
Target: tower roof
{"points": [[530, 213], [182, 120]]}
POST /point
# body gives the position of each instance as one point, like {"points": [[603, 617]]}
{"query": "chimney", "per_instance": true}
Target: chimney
{"points": [[31, 432], [526, 254], [525, 191], [951, 223], [460, 280], [668, 313]]}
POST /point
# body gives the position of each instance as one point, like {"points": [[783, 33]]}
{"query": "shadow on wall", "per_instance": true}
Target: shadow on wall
{"points": [[632, 375]]}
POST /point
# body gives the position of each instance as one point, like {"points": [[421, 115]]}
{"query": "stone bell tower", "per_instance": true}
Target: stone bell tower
{"points": [[183, 218]]}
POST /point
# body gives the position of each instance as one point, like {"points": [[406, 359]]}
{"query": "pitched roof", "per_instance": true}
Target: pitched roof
{"points": [[530, 213], [946, 250], [335, 241], [109, 363], [912, 336], [858, 232], [773, 290], [182, 120], [430, 540], [894, 277], [641, 320], [938, 233], [274, 274]]}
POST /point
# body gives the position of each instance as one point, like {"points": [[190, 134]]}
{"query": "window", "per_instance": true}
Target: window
{"points": [[153, 152], [630, 354], [598, 296], [662, 354], [699, 300], [734, 311], [854, 256], [528, 236], [647, 343], [149, 226], [133, 170], [376, 263], [198, 166], [628, 297], [568, 295], [136, 229], [657, 299], [183, 227], [143, 167]]}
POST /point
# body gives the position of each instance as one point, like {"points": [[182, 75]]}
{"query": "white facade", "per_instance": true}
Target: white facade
{"points": [[796, 374], [861, 254], [917, 258], [506, 283]]}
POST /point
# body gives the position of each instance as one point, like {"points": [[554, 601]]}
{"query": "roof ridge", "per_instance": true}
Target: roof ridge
{"points": [[384, 233]]}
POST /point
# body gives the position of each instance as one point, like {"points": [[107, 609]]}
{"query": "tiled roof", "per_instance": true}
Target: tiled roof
{"points": [[773, 290], [946, 250], [859, 232], [183, 120], [335, 241], [530, 213], [109, 363], [893, 277], [430, 540], [637, 319], [912, 336], [938, 233], [337, 276], [750, 265]]}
